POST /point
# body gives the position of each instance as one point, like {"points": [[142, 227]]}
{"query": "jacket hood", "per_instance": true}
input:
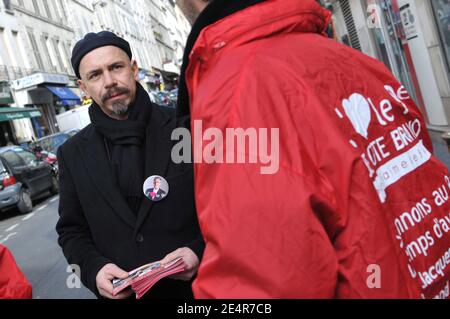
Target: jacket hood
{"points": [[236, 22]]}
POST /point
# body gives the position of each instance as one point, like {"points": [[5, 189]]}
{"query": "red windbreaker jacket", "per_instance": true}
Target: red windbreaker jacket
{"points": [[354, 206], [13, 283]]}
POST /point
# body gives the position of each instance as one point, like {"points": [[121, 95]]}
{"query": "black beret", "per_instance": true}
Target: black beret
{"points": [[92, 41]]}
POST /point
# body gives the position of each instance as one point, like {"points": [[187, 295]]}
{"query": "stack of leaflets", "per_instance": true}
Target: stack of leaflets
{"points": [[143, 278]]}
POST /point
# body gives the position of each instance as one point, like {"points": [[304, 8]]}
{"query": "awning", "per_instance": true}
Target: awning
{"points": [[65, 95], [16, 113]]}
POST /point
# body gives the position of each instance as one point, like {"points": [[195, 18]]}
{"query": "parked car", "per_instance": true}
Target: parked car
{"points": [[173, 96], [161, 98], [44, 155], [47, 157], [51, 143], [22, 177], [155, 98]]}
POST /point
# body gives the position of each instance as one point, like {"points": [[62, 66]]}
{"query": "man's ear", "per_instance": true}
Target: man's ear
{"points": [[135, 68], [82, 86]]}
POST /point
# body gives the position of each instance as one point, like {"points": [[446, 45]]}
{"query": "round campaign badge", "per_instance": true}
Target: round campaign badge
{"points": [[156, 188]]}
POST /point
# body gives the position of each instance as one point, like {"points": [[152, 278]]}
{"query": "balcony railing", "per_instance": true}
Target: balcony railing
{"points": [[11, 73]]}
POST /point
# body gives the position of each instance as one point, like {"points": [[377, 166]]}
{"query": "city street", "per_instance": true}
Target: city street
{"points": [[33, 241]]}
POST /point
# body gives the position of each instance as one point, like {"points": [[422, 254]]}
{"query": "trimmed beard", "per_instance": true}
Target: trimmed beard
{"points": [[120, 108]]}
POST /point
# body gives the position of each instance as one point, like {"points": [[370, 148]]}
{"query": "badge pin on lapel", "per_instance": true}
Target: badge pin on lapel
{"points": [[156, 188]]}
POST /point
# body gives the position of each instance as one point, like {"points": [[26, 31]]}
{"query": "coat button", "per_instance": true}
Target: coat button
{"points": [[140, 238]]}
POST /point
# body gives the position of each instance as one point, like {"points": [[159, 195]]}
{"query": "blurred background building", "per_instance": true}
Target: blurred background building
{"points": [[36, 38]]}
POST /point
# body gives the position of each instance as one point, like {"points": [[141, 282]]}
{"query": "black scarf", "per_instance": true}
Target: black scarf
{"points": [[215, 11], [125, 144]]}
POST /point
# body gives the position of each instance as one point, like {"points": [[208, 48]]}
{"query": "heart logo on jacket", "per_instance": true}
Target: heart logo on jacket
{"points": [[357, 109]]}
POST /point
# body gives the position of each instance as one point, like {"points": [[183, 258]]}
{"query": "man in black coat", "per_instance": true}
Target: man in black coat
{"points": [[107, 225]]}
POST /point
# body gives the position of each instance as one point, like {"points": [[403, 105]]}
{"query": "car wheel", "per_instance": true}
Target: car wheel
{"points": [[25, 205], [54, 189]]}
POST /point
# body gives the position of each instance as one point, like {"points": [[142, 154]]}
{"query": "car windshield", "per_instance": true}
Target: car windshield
{"points": [[51, 143], [72, 132], [158, 98]]}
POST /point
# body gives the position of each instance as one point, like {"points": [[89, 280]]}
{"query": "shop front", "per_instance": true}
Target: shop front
{"points": [[48, 92], [441, 10], [402, 35], [392, 45], [171, 80], [420, 35], [9, 115], [12, 128], [153, 80]]}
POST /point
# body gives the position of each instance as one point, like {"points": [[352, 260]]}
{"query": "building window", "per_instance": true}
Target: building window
{"points": [[60, 10], [36, 7], [57, 11], [20, 54], [65, 59], [441, 10], [58, 54], [48, 52], [7, 4], [35, 48], [67, 51], [47, 9], [4, 57], [64, 11]]}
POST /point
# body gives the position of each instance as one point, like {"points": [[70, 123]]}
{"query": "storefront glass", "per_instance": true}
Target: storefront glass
{"points": [[391, 41], [441, 10]]}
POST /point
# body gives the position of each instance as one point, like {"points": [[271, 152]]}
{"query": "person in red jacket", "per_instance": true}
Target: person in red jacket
{"points": [[357, 205], [13, 283]]}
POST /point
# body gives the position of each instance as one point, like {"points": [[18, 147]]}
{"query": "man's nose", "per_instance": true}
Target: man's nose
{"points": [[109, 80]]}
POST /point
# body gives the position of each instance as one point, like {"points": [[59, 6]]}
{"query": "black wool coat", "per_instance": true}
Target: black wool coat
{"points": [[96, 226]]}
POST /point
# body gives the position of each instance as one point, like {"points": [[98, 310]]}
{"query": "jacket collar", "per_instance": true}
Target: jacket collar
{"points": [[270, 18], [158, 148]]}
